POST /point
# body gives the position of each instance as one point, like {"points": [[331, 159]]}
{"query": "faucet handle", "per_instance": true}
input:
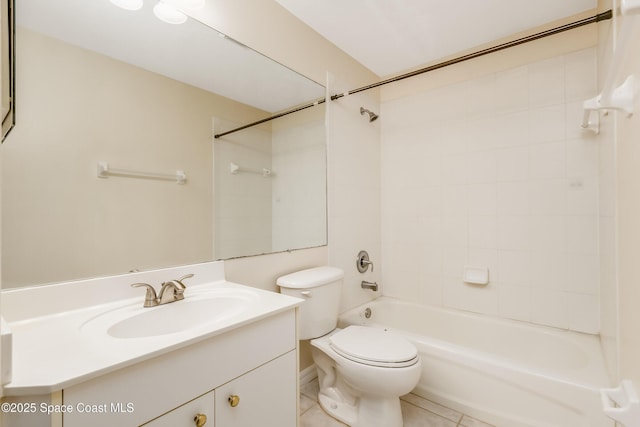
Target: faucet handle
{"points": [[178, 287], [179, 281], [150, 299], [363, 262]]}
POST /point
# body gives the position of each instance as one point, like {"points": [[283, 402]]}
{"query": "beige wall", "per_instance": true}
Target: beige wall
{"points": [[352, 143], [78, 108], [266, 27]]}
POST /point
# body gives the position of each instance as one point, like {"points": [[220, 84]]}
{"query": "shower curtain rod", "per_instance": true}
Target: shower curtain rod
{"points": [[284, 113], [586, 21], [593, 19]]}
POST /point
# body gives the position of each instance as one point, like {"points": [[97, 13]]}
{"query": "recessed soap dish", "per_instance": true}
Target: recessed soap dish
{"points": [[476, 275]]}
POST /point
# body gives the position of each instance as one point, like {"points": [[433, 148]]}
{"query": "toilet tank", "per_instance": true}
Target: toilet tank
{"points": [[320, 288]]}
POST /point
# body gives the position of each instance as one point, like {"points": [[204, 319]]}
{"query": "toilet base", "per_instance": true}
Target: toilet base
{"points": [[368, 412], [339, 410]]}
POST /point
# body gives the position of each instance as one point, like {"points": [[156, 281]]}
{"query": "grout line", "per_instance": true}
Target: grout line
{"points": [[436, 414]]}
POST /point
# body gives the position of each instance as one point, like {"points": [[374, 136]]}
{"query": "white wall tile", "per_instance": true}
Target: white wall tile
{"points": [[429, 201], [431, 261], [581, 75], [430, 290], [512, 164], [403, 229], [454, 169], [548, 232], [454, 200], [548, 197], [496, 172], [483, 231], [584, 313], [476, 298], [478, 97], [511, 129], [454, 231], [547, 124], [512, 90], [549, 308], [548, 270], [513, 198], [582, 157], [582, 196], [453, 261], [458, 136], [515, 268], [548, 160], [546, 82], [482, 199], [481, 166], [583, 234], [401, 271], [514, 302], [583, 273], [514, 232], [483, 134], [430, 231]]}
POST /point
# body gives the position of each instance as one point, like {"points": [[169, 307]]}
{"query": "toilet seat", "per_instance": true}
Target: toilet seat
{"points": [[374, 347]]}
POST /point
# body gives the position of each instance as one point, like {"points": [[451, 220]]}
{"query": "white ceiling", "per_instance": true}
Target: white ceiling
{"points": [[392, 36]]}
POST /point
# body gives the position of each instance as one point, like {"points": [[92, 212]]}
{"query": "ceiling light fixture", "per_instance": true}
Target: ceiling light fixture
{"points": [[168, 13], [128, 4]]}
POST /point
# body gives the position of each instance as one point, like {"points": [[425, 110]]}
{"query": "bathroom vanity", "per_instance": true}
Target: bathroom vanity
{"points": [[237, 366]]}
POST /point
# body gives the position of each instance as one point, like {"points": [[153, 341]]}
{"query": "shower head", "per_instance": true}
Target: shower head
{"points": [[372, 116]]}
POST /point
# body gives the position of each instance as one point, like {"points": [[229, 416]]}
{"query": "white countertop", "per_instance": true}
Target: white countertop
{"points": [[52, 351]]}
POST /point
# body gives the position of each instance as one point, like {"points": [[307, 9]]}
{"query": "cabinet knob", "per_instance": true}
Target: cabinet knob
{"points": [[200, 420], [234, 400]]}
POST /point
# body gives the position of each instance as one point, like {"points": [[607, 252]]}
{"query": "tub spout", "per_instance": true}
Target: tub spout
{"points": [[369, 285]]}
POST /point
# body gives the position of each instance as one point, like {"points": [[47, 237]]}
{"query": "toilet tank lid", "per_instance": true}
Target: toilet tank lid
{"points": [[310, 278]]}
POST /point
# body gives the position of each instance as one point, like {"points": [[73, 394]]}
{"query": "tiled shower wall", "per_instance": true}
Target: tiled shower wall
{"points": [[496, 172]]}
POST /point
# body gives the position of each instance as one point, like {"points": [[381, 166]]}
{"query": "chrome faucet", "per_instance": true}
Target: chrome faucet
{"points": [[170, 291], [369, 285], [177, 288]]}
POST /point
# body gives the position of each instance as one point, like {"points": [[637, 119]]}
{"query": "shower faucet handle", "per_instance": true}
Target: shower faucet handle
{"points": [[363, 262]]}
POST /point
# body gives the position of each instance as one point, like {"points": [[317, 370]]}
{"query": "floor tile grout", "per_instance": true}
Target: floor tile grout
{"points": [[436, 414]]}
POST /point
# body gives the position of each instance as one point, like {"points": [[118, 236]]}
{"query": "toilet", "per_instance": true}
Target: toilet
{"points": [[362, 371]]}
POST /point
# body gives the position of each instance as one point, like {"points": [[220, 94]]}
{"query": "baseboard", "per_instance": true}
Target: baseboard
{"points": [[308, 374]]}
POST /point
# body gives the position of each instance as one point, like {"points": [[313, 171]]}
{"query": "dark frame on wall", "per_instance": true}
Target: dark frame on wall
{"points": [[7, 66]]}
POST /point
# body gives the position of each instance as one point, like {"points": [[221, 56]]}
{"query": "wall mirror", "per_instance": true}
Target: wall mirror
{"points": [[118, 93]]}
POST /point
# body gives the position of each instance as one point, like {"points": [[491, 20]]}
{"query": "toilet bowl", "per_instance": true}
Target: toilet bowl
{"points": [[362, 371]]}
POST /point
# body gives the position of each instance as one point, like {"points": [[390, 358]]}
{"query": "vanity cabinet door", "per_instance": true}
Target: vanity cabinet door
{"points": [[264, 397], [198, 412]]}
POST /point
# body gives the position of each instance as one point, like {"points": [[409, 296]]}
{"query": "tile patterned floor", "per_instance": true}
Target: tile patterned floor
{"points": [[417, 412]]}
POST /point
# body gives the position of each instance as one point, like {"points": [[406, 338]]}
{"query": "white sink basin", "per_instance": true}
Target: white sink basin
{"points": [[193, 312]]}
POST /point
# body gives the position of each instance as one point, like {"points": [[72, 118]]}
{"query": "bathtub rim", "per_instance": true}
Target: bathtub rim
{"points": [[587, 342]]}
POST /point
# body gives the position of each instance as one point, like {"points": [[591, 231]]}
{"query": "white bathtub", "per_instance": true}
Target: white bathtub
{"points": [[508, 373]]}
